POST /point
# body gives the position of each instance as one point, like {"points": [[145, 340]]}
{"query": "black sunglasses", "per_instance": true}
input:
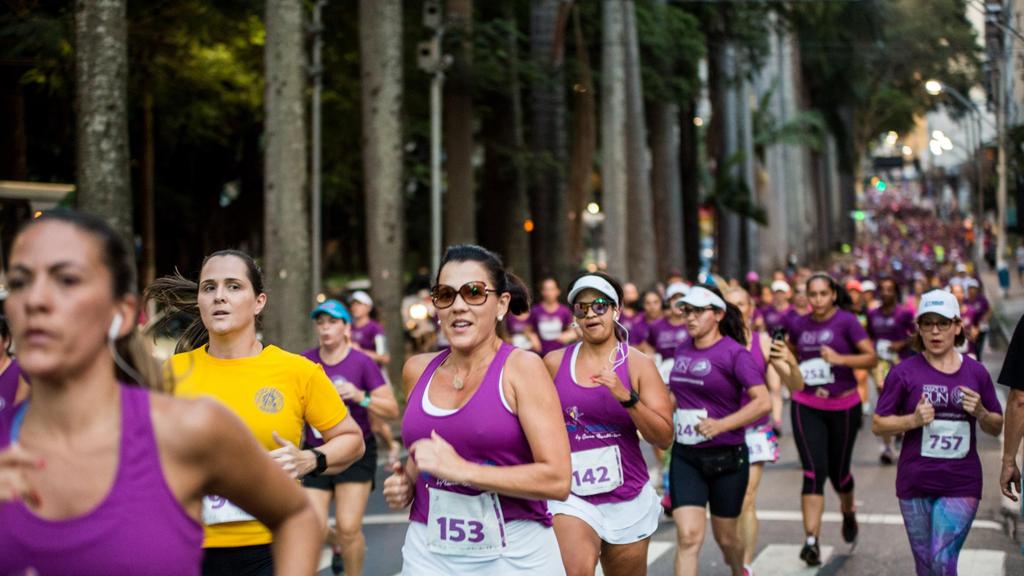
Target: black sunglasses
{"points": [[688, 310], [599, 306], [473, 293]]}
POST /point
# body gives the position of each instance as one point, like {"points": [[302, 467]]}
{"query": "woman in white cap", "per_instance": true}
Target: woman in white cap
{"points": [[669, 332], [610, 394], [712, 374], [936, 399], [367, 336]]}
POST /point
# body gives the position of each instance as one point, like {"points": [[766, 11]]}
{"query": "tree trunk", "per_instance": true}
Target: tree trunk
{"points": [[641, 249], [548, 140], [584, 143], [460, 202], [613, 136], [380, 46], [728, 233], [665, 185], [101, 77], [690, 175], [147, 190], [286, 214]]}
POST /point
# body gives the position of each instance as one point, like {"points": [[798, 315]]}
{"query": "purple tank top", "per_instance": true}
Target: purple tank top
{"points": [[595, 419], [9, 386], [139, 528], [482, 431], [762, 367]]}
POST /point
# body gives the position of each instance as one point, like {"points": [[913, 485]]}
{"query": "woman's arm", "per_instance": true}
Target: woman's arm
{"points": [[865, 358], [990, 422], [760, 404], [383, 403], [343, 445], [22, 392], [923, 415], [652, 415], [536, 403]]}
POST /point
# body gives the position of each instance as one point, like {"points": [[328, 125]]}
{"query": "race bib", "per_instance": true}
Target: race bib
{"points": [[549, 329], [220, 510], [521, 341], [758, 446], [686, 426], [883, 347], [947, 439], [380, 344], [816, 372], [665, 367], [596, 471], [463, 525]]}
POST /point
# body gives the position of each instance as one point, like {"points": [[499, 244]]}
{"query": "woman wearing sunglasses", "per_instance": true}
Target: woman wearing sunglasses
{"points": [[609, 392], [712, 374], [486, 441], [935, 399], [830, 343]]}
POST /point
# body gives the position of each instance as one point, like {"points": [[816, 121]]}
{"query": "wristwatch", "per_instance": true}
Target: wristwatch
{"points": [[633, 399], [321, 462]]}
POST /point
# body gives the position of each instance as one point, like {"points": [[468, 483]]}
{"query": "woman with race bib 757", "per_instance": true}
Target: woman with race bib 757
{"points": [[830, 343], [486, 439], [935, 399]]}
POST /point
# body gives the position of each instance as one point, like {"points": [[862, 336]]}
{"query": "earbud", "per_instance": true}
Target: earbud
{"points": [[574, 324], [115, 328]]}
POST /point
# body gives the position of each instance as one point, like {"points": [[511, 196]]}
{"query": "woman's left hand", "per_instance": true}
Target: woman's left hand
{"points": [[972, 402], [709, 428], [831, 356], [438, 458]]}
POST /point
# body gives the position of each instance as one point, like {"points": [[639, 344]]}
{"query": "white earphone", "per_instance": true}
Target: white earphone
{"points": [[115, 328]]}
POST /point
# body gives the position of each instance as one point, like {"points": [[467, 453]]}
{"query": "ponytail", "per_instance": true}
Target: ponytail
{"points": [[179, 297], [732, 324]]}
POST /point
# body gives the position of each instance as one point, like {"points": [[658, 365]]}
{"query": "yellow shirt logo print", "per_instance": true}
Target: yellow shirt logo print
{"points": [[269, 400]]}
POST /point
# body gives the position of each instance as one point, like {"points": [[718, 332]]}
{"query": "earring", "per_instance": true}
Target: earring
{"points": [[500, 317]]}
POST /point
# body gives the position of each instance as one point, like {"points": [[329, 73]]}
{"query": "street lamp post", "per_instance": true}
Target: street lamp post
{"points": [[432, 61], [315, 209]]}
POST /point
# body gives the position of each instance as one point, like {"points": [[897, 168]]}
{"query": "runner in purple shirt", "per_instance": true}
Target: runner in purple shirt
{"points": [[775, 315], [13, 388], [367, 333], [982, 312], [937, 399], [551, 320], [712, 373], [632, 318], [830, 343], [520, 332], [890, 326], [665, 335]]}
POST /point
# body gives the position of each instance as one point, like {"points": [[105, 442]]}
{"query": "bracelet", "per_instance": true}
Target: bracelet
{"points": [[365, 402]]}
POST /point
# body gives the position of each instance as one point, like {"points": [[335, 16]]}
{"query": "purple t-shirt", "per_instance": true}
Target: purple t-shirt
{"points": [[365, 336], [665, 337], [894, 326], [637, 326], [517, 331], [919, 475], [550, 325], [757, 353], [9, 386], [775, 318], [715, 379], [841, 332], [357, 368]]}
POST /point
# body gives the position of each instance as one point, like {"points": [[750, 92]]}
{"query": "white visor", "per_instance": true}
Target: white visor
{"points": [[360, 296], [676, 289], [780, 286], [594, 283], [938, 302], [868, 286], [700, 297]]}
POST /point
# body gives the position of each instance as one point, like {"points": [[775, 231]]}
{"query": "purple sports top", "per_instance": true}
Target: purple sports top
{"points": [[595, 419], [665, 337], [9, 386], [359, 369], [550, 325], [138, 528], [841, 332], [365, 336], [637, 327], [762, 367], [482, 431]]}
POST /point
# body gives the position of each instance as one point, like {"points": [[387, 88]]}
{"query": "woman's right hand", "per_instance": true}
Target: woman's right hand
{"points": [[398, 488], [924, 414], [14, 484]]}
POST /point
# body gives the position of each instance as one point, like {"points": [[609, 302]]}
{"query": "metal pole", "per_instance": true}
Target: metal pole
{"points": [[1000, 226], [436, 84], [315, 161]]}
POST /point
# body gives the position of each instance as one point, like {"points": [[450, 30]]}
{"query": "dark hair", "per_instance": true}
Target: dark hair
{"points": [[180, 296], [917, 341], [732, 324], [5, 333], [121, 262], [895, 285], [843, 300], [503, 280]]}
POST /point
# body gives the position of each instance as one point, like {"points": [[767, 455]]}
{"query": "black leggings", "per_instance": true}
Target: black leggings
{"points": [[825, 440], [238, 561]]}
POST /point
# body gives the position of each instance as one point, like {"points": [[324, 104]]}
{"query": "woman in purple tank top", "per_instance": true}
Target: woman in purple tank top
{"points": [[608, 395], [13, 388], [486, 442], [778, 365], [140, 461]]}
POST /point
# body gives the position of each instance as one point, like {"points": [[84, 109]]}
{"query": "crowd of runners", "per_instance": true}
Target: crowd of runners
{"points": [[523, 434]]}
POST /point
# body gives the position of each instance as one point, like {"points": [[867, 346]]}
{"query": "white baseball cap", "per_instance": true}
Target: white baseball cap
{"points": [[701, 297], [961, 267], [938, 302], [869, 286], [360, 296], [780, 286], [971, 283], [593, 282], [677, 289]]}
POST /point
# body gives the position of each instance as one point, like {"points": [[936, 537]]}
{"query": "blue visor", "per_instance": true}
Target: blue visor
{"points": [[334, 309]]}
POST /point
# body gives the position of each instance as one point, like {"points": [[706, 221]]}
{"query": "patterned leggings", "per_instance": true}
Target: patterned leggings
{"points": [[937, 529]]}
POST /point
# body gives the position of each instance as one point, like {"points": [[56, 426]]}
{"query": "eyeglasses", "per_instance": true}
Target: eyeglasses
{"points": [[688, 311], [929, 325], [599, 306], [473, 293]]}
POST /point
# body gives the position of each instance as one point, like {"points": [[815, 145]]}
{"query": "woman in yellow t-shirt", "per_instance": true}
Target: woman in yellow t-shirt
{"points": [[273, 391]]}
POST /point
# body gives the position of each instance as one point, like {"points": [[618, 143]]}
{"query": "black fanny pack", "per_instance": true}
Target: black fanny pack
{"points": [[716, 461]]}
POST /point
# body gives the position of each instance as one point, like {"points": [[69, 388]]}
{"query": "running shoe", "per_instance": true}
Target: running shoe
{"points": [[748, 570], [887, 457], [850, 527], [337, 565], [811, 554]]}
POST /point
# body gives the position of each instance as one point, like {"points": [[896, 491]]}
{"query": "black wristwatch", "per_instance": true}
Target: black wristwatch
{"points": [[633, 399], [321, 462]]}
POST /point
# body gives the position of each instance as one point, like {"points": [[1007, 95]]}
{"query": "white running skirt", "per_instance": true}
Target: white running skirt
{"points": [[616, 522], [532, 549]]}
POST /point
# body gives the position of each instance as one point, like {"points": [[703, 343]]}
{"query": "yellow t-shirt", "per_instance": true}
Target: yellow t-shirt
{"points": [[272, 391]]}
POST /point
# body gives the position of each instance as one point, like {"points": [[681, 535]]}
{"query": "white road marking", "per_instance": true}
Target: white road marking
{"points": [[836, 517], [784, 560], [981, 563]]}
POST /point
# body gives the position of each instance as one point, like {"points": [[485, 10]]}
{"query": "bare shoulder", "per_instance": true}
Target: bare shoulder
{"points": [[415, 365], [525, 368], [188, 428], [553, 359]]}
